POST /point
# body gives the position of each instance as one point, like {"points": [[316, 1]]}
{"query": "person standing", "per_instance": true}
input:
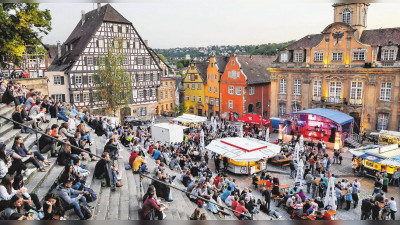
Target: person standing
{"points": [[393, 208], [266, 193], [385, 184], [308, 179], [375, 211], [366, 207]]}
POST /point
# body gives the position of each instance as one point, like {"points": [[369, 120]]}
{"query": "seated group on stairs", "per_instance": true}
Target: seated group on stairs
{"points": [[70, 192]]}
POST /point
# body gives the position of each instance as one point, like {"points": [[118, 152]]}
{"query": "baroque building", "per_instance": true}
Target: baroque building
{"points": [[347, 68], [79, 57]]}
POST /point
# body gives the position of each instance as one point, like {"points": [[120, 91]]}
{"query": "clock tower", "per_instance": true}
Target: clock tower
{"points": [[354, 14]]}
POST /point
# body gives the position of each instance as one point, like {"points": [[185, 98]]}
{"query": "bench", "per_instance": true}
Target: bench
{"points": [[287, 164]]}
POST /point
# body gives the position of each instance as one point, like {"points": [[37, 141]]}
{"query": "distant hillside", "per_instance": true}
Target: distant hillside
{"points": [[205, 52]]}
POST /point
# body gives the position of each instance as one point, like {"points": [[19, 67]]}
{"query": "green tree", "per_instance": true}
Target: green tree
{"points": [[112, 80], [21, 25], [162, 57], [180, 109]]}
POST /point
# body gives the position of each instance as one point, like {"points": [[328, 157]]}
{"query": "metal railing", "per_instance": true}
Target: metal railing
{"points": [[188, 193]]}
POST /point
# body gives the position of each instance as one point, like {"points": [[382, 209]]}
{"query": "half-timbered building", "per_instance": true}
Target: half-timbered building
{"points": [[80, 55]]}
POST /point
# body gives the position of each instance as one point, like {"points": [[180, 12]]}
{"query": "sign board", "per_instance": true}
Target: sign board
{"points": [[337, 141], [280, 134]]}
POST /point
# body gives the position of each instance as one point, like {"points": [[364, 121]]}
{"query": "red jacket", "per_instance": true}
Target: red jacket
{"points": [[132, 158]]}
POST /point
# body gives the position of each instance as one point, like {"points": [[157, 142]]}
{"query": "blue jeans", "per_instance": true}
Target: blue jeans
{"points": [[87, 137], [308, 187], [114, 175], [62, 116], [76, 186], [77, 209], [83, 199]]}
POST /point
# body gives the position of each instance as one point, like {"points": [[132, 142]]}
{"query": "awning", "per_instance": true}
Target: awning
{"points": [[254, 119], [243, 149], [188, 118], [336, 116]]}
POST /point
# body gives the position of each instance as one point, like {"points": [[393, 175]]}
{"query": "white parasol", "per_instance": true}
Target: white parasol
{"points": [[202, 139], [241, 130], [267, 135], [330, 197]]}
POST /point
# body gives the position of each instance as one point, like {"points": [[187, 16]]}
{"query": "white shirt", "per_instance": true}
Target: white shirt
{"points": [[392, 205], [357, 183], [4, 194], [72, 124]]}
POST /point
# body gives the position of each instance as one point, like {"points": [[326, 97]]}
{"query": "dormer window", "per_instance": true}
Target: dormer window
{"points": [[346, 16], [284, 57], [298, 57], [388, 55], [233, 62]]}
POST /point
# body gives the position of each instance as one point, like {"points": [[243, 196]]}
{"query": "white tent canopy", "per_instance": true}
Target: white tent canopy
{"points": [[243, 149], [188, 118]]}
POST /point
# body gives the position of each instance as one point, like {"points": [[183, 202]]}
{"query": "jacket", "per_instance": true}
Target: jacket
{"points": [[17, 117], [65, 194], [53, 111], [44, 140]]}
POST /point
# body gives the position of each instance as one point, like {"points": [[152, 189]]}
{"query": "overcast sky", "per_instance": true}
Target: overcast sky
{"points": [[195, 23]]}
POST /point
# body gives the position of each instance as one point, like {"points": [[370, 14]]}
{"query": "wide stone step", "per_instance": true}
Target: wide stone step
{"points": [[49, 182], [6, 128]]}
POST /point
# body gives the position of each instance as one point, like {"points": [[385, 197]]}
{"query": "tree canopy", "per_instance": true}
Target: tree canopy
{"points": [[113, 82], [21, 25]]}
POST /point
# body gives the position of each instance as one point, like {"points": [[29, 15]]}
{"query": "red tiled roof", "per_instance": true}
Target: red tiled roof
{"points": [[255, 67]]}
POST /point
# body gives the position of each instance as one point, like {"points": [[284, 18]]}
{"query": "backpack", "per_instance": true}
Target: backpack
{"points": [[91, 197], [86, 211]]}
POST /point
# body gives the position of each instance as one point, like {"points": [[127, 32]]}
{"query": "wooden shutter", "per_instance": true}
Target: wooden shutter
{"points": [[379, 54], [128, 44], [81, 97], [95, 61], [63, 97], [62, 80], [71, 97], [85, 79], [97, 43], [73, 79], [304, 55], [290, 55], [398, 54], [119, 29], [85, 59]]}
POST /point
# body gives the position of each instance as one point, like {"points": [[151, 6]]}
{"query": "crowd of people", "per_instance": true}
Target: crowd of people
{"points": [[212, 189]]}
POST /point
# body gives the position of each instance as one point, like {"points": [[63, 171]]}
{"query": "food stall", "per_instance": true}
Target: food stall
{"points": [[377, 158], [246, 155], [389, 137], [167, 133], [328, 125]]}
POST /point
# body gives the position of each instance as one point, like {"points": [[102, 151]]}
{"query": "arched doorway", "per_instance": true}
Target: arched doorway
{"points": [[357, 122], [250, 109]]}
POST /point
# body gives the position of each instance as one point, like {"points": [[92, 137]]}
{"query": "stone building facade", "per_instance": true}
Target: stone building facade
{"points": [[346, 68]]}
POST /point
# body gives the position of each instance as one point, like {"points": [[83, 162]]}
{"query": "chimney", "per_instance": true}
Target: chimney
{"points": [[83, 17], [98, 7], [146, 42], [59, 49]]}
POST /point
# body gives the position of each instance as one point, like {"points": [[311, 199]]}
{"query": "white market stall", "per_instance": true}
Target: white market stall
{"points": [[167, 132], [244, 153], [188, 118]]}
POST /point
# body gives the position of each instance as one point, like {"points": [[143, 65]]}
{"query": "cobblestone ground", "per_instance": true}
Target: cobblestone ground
{"points": [[340, 171]]}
